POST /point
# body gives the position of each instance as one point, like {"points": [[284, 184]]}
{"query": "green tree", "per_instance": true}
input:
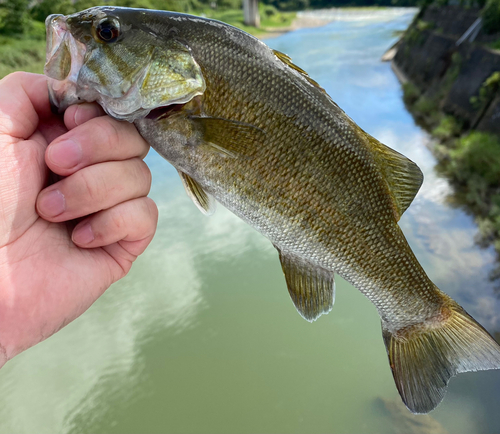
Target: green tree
{"points": [[491, 16], [46, 7], [15, 17]]}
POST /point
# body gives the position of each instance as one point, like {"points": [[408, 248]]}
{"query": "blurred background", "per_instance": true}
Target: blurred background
{"points": [[201, 336]]}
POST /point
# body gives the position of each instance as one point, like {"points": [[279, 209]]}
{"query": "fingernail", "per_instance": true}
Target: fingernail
{"points": [[65, 154], [52, 203], [83, 234], [85, 112]]}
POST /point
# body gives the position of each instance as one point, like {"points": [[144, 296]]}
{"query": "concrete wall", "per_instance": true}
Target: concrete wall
{"points": [[477, 65], [449, 74], [251, 13]]}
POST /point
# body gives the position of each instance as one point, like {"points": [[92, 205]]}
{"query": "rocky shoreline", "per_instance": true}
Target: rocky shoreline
{"points": [[451, 85], [456, 73]]}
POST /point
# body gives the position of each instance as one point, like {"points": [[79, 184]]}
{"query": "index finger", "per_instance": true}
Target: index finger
{"points": [[95, 141], [24, 100]]}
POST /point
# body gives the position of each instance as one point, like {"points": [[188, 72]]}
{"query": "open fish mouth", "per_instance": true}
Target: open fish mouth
{"points": [[93, 57], [64, 59]]}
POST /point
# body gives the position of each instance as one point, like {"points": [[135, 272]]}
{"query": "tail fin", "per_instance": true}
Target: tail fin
{"points": [[424, 357]]}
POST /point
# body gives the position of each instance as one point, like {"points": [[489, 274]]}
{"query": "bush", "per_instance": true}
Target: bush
{"points": [[491, 16], [290, 5], [477, 154], [15, 17], [448, 127], [424, 25], [414, 37], [410, 93], [267, 11], [495, 45], [487, 91], [427, 110], [230, 4], [138, 4], [25, 54], [46, 7], [81, 5]]}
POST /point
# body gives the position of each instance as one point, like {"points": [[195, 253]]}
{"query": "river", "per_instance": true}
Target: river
{"points": [[201, 336]]}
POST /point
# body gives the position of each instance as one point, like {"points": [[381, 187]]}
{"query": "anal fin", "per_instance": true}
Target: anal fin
{"points": [[311, 288], [203, 201]]}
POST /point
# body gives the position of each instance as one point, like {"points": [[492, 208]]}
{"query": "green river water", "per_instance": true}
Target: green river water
{"points": [[202, 337]]}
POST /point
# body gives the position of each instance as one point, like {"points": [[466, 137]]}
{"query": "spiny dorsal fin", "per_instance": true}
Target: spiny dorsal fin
{"points": [[203, 201], [311, 288], [403, 176], [230, 138], [287, 60], [425, 356]]}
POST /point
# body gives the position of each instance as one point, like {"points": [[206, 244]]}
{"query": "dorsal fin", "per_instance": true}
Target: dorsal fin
{"points": [[287, 60], [311, 288], [403, 176]]}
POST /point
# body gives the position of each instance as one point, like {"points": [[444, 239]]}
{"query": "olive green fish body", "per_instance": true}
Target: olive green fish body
{"points": [[244, 125], [313, 187]]}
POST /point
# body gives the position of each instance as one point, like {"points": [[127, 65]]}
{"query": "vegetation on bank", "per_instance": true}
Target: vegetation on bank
{"points": [[491, 16], [473, 166], [469, 159], [25, 54], [22, 33], [22, 29]]}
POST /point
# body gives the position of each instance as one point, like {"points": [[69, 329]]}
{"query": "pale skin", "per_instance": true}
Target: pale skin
{"points": [[64, 241]]}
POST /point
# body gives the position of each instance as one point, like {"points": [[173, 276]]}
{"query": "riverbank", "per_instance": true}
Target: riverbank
{"points": [[451, 82], [27, 52], [322, 17]]}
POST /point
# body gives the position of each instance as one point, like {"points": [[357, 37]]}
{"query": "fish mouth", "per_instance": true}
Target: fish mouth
{"points": [[64, 59]]}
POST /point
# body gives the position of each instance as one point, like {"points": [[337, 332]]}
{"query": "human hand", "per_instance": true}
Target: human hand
{"points": [[53, 268]]}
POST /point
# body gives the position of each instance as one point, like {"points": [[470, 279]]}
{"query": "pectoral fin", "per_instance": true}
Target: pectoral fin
{"points": [[203, 201], [230, 138], [312, 288]]}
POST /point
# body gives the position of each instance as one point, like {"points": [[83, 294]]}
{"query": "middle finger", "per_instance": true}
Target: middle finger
{"points": [[98, 140], [94, 188]]}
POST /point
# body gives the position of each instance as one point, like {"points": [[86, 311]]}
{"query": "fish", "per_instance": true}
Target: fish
{"points": [[247, 128]]}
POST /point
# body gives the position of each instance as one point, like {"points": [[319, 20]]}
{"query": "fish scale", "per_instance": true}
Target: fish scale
{"points": [[311, 194], [243, 124]]}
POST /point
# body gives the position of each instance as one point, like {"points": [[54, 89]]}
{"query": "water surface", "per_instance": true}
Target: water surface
{"points": [[202, 337]]}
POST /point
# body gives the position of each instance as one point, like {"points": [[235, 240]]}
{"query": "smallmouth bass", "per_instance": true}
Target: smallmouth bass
{"points": [[246, 127]]}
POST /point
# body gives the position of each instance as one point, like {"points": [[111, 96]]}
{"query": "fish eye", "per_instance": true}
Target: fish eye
{"points": [[107, 31]]}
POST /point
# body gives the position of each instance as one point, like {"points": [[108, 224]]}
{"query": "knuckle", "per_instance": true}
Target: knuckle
{"points": [[144, 174], [110, 131], [89, 185], [149, 217], [151, 208], [118, 221]]}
